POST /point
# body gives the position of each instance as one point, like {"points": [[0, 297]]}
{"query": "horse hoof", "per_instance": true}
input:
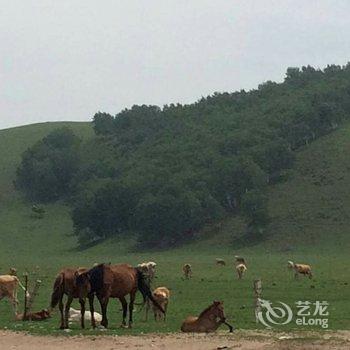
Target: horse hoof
{"points": [[123, 326]]}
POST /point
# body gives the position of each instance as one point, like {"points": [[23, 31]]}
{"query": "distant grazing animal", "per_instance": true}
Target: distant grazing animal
{"points": [[241, 269], [115, 281], [301, 269], [75, 316], [65, 284], [187, 270], [8, 289], [161, 295], [240, 260], [209, 320], [34, 316], [37, 209], [148, 269], [220, 262]]}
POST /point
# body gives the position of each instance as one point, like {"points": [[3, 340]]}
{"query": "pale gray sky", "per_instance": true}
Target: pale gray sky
{"points": [[67, 59]]}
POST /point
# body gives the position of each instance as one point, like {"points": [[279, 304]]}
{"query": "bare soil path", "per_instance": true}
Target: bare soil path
{"points": [[219, 341]]}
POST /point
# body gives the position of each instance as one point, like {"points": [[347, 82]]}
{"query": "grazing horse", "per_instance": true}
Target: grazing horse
{"points": [[115, 281], [65, 285], [208, 321]]}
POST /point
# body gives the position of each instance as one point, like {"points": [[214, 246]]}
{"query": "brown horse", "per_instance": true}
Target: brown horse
{"points": [[115, 281], [65, 284], [208, 321]]}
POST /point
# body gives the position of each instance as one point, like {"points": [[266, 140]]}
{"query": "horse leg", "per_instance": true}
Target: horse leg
{"points": [[131, 307], [66, 311], [125, 310], [92, 311], [165, 310], [60, 305], [147, 309], [104, 302], [14, 303], [82, 312]]}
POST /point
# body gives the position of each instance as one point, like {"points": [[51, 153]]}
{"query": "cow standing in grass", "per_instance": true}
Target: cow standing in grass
{"points": [[148, 269], [161, 295], [8, 289], [241, 269], [300, 269], [187, 270]]}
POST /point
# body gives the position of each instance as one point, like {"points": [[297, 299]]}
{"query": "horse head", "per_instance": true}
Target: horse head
{"points": [[218, 310]]}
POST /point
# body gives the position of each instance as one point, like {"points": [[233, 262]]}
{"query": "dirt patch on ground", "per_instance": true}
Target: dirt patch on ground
{"points": [[220, 341]]}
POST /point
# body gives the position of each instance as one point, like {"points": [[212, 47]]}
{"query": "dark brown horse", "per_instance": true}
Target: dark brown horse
{"points": [[115, 281], [209, 320], [65, 284]]}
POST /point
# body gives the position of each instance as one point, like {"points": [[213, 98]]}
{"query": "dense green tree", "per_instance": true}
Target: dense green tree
{"points": [[48, 168]]}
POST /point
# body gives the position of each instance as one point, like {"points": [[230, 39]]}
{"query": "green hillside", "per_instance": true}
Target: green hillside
{"points": [[310, 217]]}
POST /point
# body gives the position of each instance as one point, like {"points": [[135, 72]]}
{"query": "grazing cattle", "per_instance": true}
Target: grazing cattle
{"points": [[301, 269], [65, 284], [241, 269], [8, 289], [208, 321], [161, 295], [115, 281], [187, 270], [75, 316], [220, 262], [148, 269], [34, 316]]}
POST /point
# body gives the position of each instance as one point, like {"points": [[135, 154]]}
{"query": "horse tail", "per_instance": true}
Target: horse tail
{"points": [[145, 290], [57, 290]]}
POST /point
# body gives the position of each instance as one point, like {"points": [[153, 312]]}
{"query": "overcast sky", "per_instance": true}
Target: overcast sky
{"points": [[66, 60]]}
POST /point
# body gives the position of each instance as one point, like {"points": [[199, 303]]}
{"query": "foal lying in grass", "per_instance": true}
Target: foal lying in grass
{"points": [[208, 321]]}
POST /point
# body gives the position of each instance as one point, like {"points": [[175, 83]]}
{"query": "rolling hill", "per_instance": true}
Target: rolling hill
{"points": [[311, 208], [310, 217]]}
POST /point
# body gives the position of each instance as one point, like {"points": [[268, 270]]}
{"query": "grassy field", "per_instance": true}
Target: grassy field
{"points": [[310, 219]]}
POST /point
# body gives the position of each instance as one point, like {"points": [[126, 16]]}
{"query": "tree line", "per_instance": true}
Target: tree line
{"points": [[164, 173]]}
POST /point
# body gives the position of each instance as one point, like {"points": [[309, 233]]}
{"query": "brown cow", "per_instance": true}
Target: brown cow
{"points": [[302, 269], [8, 289]]}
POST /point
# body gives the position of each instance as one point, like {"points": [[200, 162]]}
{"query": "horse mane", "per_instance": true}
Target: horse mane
{"points": [[96, 275], [205, 310]]}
